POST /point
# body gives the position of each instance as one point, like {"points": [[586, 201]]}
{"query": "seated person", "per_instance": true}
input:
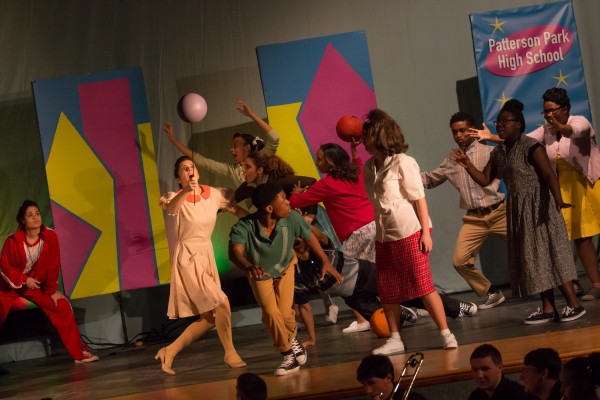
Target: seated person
{"points": [[376, 374], [250, 387], [486, 367], [580, 377], [358, 289], [540, 374]]}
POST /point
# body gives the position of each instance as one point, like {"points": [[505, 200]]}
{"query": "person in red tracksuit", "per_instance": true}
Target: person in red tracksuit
{"points": [[29, 268]]}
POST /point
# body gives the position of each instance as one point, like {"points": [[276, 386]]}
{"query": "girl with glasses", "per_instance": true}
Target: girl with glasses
{"points": [[539, 252]]}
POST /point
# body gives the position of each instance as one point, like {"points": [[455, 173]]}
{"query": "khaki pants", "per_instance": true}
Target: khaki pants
{"points": [[474, 232], [275, 297]]}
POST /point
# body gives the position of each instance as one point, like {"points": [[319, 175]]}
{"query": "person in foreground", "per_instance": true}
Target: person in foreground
{"points": [[580, 377], [250, 387], [403, 235], [486, 367], [539, 252], [261, 245], [376, 374], [195, 284], [540, 374], [30, 264]]}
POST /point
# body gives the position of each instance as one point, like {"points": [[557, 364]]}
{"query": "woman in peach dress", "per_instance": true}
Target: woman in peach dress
{"points": [[195, 284]]}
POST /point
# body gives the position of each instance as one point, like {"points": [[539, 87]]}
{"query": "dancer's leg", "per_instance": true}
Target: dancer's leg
{"points": [[223, 324], [309, 322], [568, 291], [587, 254], [193, 332], [435, 307]]}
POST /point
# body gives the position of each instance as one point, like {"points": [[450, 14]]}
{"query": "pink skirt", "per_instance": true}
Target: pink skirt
{"points": [[403, 271]]}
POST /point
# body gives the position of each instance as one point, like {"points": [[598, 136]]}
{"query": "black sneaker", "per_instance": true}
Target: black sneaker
{"points": [[288, 365], [299, 351], [407, 315], [539, 317], [571, 314]]}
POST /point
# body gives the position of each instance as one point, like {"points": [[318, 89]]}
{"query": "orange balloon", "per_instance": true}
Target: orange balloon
{"points": [[379, 324], [348, 127]]}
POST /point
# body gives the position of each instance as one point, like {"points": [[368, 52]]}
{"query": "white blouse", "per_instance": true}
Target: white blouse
{"points": [[392, 190]]}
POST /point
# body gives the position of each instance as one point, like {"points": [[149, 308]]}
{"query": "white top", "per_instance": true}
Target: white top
{"points": [[33, 253], [392, 190]]}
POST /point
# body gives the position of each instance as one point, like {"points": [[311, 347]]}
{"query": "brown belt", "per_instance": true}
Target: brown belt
{"points": [[485, 210]]}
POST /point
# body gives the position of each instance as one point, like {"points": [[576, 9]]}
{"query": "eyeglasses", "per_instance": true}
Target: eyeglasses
{"points": [[503, 121], [551, 111]]}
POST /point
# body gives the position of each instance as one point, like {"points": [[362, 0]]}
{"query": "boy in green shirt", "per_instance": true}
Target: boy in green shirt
{"points": [[261, 244]]}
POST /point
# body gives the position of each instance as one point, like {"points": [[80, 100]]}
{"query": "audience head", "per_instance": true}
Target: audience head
{"points": [[250, 387], [382, 134], [580, 377], [376, 374], [486, 367], [541, 370]]}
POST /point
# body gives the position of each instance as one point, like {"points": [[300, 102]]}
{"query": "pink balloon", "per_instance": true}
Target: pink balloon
{"points": [[192, 108]]}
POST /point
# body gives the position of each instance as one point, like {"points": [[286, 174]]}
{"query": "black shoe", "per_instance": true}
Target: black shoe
{"points": [[539, 317], [571, 314], [288, 365], [407, 315], [299, 351]]}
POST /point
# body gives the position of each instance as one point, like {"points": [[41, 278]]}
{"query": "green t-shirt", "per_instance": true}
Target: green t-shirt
{"points": [[272, 255]]}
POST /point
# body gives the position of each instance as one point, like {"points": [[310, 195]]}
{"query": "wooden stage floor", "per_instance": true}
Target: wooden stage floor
{"points": [[329, 372]]}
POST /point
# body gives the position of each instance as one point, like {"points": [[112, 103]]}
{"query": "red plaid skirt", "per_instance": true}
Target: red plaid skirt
{"points": [[403, 271]]}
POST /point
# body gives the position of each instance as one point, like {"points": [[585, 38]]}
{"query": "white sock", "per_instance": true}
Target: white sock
{"points": [[395, 335], [444, 332]]}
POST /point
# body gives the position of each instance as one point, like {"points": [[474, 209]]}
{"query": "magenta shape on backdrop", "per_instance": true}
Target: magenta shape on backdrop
{"points": [[336, 90], [109, 128], [76, 240]]}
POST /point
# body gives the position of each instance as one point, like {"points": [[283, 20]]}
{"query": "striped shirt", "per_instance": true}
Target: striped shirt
{"points": [[273, 253], [472, 195]]}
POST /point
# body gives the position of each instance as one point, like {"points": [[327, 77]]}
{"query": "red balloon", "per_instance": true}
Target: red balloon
{"points": [[379, 324], [349, 127]]}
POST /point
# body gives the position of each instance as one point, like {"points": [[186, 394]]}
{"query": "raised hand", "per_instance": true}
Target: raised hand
{"points": [[169, 131], [460, 157], [245, 110], [483, 134]]}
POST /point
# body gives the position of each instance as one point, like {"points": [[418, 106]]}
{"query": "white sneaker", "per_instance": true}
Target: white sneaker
{"points": [[331, 317], [392, 346], [356, 327], [422, 313], [449, 341], [492, 300]]}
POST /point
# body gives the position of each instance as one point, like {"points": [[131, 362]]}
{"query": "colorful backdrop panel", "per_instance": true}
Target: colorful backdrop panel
{"points": [[309, 85], [522, 52], [103, 183]]}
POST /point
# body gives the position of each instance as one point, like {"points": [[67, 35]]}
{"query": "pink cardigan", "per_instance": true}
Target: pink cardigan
{"points": [[579, 150], [346, 203]]}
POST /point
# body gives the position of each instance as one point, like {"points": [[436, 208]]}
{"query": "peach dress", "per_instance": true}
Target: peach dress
{"points": [[195, 283]]}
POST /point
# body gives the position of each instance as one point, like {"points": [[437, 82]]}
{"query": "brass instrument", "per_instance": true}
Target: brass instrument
{"points": [[414, 361]]}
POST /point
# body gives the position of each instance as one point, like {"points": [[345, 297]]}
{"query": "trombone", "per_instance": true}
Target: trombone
{"points": [[414, 361]]}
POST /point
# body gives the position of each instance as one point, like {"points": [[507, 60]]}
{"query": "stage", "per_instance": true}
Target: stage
{"points": [[330, 372]]}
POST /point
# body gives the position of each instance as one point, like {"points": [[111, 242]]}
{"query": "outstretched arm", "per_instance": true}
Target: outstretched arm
{"points": [[541, 163], [482, 178], [245, 110], [171, 136], [485, 134]]}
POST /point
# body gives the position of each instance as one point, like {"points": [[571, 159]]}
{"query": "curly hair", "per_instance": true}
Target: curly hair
{"points": [[462, 116], [558, 96], [21, 213], [272, 165], [386, 133], [341, 166]]}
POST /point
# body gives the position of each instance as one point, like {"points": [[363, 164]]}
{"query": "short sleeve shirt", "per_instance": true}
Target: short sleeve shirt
{"points": [[274, 253]]}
